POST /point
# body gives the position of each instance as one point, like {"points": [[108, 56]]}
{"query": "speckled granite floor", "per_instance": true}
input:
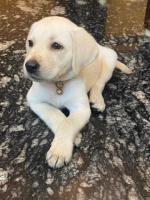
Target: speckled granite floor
{"points": [[113, 160]]}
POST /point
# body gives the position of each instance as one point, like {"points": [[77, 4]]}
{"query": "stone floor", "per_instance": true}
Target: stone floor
{"points": [[112, 162]]}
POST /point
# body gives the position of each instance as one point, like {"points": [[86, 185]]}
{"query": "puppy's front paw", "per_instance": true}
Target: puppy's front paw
{"points": [[60, 152], [98, 103], [100, 106]]}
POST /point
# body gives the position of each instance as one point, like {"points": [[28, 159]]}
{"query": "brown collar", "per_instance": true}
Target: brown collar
{"points": [[59, 87]]}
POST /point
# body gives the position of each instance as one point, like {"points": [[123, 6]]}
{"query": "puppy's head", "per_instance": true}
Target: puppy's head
{"points": [[57, 49]]}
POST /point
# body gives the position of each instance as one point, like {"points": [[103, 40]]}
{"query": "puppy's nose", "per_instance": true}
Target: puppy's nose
{"points": [[32, 66]]}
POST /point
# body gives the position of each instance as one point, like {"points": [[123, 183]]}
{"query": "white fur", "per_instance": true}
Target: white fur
{"points": [[44, 101], [83, 65]]}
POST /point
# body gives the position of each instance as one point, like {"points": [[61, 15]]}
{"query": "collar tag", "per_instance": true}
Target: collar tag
{"points": [[59, 87]]}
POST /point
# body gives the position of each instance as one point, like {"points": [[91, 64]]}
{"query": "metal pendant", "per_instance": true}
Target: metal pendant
{"points": [[59, 91], [59, 86]]}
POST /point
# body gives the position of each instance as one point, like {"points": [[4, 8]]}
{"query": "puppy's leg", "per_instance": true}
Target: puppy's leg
{"points": [[52, 116], [67, 135], [65, 129], [62, 145], [96, 97]]}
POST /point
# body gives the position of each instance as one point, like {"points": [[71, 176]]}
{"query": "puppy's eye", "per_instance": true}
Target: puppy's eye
{"points": [[30, 42], [56, 45]]}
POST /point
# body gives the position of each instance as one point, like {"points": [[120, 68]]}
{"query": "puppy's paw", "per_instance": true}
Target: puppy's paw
{"points": [[78, 139], [100, 106], [98, 103], [60, 152]]}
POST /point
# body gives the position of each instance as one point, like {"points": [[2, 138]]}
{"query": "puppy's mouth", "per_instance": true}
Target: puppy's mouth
{"points": [[34, 77]]}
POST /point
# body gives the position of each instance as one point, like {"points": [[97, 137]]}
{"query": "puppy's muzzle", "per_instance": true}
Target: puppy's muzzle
{"points": [[32, 66]]}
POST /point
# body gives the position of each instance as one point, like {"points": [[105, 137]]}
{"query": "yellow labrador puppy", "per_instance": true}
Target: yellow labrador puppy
{"points": [[65, 62]]}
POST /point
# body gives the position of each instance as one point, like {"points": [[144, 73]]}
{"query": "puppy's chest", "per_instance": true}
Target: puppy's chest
{"points": [[50, 93]]}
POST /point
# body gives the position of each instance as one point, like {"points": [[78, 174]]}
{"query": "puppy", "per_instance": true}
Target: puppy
{"points": [[65, 62]]}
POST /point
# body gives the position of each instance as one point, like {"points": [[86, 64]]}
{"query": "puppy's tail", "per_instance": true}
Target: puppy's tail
{"points": [[123, 68]]}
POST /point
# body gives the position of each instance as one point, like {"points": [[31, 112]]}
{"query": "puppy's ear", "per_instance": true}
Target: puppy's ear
{"points": [[85, 49]]}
